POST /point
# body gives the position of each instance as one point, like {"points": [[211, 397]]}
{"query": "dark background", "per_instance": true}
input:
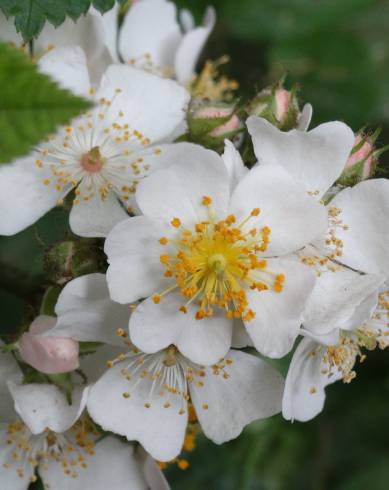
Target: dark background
{"points": [[338, 52]]}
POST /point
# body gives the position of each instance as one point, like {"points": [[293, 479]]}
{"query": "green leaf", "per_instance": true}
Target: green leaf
{"points": [[31, 15], [31, 104]]}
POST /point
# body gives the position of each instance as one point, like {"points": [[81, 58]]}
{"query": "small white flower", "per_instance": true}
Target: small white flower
{"points": [[152, 39], [102, 155], [145, 397], [358, 232], [93, 32], [205, 254], [148, 395], [50, 436], [349, 312]]}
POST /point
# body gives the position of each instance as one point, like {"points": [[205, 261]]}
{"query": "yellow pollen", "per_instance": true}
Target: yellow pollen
{"points": [[176, 222], [156, 298], [216, 262]]}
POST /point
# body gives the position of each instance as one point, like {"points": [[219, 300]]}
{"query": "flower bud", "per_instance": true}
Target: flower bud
{"points": [[69, 259], [362, 160], [278, 106], [211, 123], [48, 355]]}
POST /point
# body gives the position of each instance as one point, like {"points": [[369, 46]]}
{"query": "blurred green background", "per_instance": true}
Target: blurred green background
{"points": [[338, 52]]}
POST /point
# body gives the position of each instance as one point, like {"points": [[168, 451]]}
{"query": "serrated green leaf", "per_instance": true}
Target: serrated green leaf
{"points": [[31, 15], [31, 104]]}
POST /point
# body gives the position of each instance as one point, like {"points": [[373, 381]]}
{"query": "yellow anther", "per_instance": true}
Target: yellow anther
{"points": [[206, 200], [156, 298], [176, 222]]}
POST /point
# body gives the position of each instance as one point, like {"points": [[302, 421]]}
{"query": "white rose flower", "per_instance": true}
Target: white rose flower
{"points": [[205, 254], [358, 232], [145, 397], [152, 39], [44, 433], [102, 154], [346, 313], [92, 32], [148, 394]]}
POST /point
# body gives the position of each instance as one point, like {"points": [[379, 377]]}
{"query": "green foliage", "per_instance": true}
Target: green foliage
{"points": [[31, 104], [31, 15]]}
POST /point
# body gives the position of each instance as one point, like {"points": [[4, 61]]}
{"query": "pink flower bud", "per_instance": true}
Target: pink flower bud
{"points": [[362, 160], [282, 99], [363, 155], [209, 123], [230, 126], [278, 106], [50, 355]]}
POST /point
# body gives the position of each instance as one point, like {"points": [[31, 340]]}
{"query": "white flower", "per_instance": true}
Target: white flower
{"points": [[145, 396], [102, 155], [92, 32], [48, 435], [205, 255], [152, 39], [358, 232], [343, 315]]}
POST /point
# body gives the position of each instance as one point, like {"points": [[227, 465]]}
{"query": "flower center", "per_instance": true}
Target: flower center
{"points": [[216, 261], [92, 161], [68, 449]]}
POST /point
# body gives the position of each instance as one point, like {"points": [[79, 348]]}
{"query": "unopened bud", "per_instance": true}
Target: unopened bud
{"points": [[211, 123], [362, 161], [69, 259], [48, 355], [280, 107]]}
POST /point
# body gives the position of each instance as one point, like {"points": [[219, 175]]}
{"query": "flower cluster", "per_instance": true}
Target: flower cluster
{"points": [[231, 234]]}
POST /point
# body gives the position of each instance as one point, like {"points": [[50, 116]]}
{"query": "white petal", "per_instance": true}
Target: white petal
{"points": [[150, 28], [89, 33], [240, 337], [252, 391], [86, 312], [330, 338], [133, 251], [113, 465], [234, 164], [160, 430], [315, 158], [68, 67], [9, 371], [186, 20], [294, 217], [191, 46], [43, 405], [153, 474], [97, 217], [278, 316], [178, 190], [365, 210], [23, 196], [150, 104], [305, 118], [304, 393], [110, 22], [156, 326], [94, 365], [335, 298], [9, 477]]}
